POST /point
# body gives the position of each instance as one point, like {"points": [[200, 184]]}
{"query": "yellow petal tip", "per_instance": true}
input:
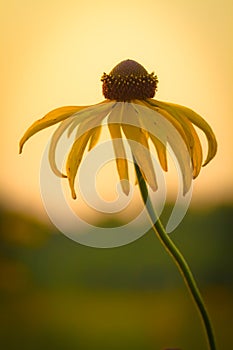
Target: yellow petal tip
{"points": [[125, 187], [20, 148], [154, 187], [74, 195]]}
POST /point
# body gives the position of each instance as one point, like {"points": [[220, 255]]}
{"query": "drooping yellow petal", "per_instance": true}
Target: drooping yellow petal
{"points": [[196, 149], [90, 113], [74, 159], [183, 129], [114, 126], [205, 127], [86, 131], [192, 138], [161, 151], [139, 145], [53, 145], [94, 120], [51, 118], [159, 146], [62, 113], [95, 137], [197, 120], [121, 160], [164, 130], [196, 153]]}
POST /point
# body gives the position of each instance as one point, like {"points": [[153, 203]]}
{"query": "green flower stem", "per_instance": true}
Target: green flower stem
{"points": [[177, 257]]}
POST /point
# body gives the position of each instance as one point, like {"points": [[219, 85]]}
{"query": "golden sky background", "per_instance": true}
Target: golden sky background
{"points": [[53, 53]]}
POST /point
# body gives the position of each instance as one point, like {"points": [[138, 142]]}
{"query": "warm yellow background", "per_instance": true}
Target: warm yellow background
{"points": [[53, 53]]}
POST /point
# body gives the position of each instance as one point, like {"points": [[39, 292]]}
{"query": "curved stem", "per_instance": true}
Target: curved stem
{"points": [[177, 257]]}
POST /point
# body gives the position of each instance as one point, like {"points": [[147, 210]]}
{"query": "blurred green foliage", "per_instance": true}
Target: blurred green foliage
{"points": [[57, 294]]}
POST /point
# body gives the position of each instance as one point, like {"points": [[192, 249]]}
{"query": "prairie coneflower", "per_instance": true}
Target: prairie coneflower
{"points": [[132, 112]]}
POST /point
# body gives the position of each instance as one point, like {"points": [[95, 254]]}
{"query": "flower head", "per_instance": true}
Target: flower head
{"points": [[131, 111]]}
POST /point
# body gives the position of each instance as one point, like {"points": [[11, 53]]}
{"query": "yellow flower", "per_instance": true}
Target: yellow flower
{"points": [[130, 108]]}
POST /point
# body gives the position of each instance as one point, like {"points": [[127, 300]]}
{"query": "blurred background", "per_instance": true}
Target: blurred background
{"points": [[55, 293]]}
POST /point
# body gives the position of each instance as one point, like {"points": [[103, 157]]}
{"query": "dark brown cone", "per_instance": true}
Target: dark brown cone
{"points": [[128, 81]]}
